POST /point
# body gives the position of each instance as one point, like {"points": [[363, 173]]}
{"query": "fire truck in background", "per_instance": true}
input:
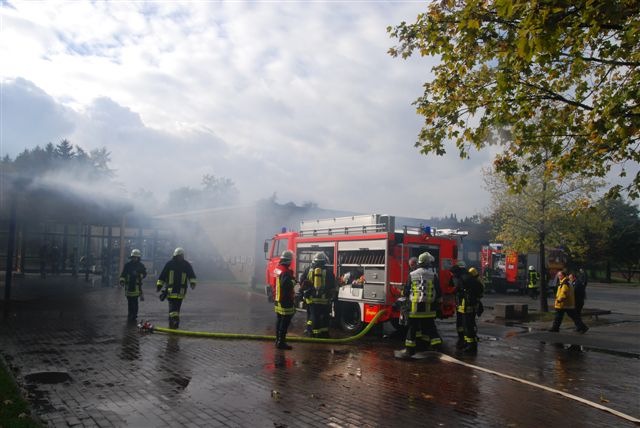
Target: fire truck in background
{"points": [[503, 270], [506, 270], [368, 247]]}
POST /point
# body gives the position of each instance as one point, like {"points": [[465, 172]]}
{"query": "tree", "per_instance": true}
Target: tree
{"points": [[540, 215], [526, 73], [623, 238], [64, 150]]}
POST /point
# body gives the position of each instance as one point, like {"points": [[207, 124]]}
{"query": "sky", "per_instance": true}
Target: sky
{"points": [[300, 99]]}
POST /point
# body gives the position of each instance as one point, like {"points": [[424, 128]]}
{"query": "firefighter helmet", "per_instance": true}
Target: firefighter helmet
{"points": [[461, 264], [473, 271], [136, 253], [319, 259], [178, 252], [286, 257], [532, 268], [425, 258]]}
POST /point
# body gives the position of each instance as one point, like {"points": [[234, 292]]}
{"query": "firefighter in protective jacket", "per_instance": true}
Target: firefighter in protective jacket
{"points": [[469, 290], [131, 279], [283, 298], [423, 298], [173, 281], [532, 284], [319, 287]]}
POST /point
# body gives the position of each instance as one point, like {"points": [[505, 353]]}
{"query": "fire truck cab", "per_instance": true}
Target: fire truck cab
{"points": [[369, 258]]}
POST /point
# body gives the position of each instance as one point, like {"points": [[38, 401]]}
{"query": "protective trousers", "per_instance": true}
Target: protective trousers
{"points": [[174, 312], [319, 317], [282, 325], [132, 303], [466, 328], [423, 330]]}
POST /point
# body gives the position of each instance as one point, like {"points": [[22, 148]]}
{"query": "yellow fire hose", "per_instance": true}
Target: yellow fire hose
{"points": [[244, 336]]}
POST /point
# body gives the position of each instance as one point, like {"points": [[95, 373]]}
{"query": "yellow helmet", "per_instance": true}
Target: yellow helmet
{"points": [[473, 271]]}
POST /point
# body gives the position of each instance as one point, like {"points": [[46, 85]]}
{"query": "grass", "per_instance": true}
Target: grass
{"points": [[14, 409]]}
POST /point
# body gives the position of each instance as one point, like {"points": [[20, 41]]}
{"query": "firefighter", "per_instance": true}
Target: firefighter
{"points": [[469, 290], [423, 296], [173, 282], [283, 298], [532, 285], [320, 287], [131, 279]]}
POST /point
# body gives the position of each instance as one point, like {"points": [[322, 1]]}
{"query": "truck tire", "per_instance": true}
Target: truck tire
{"points": [[350, 317]]}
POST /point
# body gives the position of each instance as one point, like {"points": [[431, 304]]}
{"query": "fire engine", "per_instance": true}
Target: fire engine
{"points": [[502, 270], [370, 248]]}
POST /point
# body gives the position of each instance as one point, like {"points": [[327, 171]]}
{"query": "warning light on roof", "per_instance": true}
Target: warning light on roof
{"points": [[284, 229]]}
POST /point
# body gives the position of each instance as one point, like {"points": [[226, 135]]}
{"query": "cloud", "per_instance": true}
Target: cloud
{"points": [[301, 99], [30, 117]]}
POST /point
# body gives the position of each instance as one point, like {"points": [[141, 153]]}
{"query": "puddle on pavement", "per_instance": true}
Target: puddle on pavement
{"points": [[181, 382], [581, 349], [47, 377]]}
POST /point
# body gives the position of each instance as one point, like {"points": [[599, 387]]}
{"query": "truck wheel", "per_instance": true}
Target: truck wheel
{"points": [[350, 317]]}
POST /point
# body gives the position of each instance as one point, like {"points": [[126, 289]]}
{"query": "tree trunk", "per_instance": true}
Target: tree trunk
{"points": [[544, 305]]}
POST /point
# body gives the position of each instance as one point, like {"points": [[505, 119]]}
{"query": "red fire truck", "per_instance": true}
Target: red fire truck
{"points": [[502, 270], [371, 248]]}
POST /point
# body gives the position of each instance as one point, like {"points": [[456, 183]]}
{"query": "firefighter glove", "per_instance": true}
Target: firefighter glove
{"points": [[158, 288], [193, 285], [163, 295], [121, 283]]}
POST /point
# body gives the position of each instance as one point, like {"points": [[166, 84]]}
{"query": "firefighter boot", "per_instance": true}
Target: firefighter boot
{"points": [[280, 341], [405, 353], [471, 348]]}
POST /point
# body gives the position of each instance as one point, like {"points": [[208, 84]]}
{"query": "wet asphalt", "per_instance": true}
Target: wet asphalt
{"points": [[81, 364]]}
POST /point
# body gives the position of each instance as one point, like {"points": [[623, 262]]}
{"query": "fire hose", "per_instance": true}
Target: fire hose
{"points": [[245, 336]]}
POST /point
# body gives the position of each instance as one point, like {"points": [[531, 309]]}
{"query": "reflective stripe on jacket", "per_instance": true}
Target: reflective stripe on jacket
{"points": [[132, 274], [423, 293], [175, 277], [283, 298], [318, 278], [533, 279]]}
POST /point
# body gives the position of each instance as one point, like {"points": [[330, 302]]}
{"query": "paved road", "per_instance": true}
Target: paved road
{"points": [[83, 366]]}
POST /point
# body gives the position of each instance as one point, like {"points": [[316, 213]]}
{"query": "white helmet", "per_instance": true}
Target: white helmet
{"points": [[178, 252], [532, 268], [136, 253], [425, 258]]}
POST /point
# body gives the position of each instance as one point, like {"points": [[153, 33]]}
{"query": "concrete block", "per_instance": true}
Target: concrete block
{"points": [[503, 310], [520, 310]]}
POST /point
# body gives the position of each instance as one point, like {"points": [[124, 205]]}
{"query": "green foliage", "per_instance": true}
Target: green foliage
{"points": [[558, 75], [545, 209], [61, 158], [14, 411], [622, 249]]}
